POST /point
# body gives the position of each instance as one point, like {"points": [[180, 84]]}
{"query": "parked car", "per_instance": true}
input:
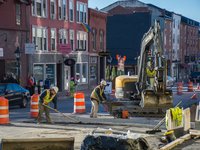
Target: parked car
{"points": [[170, 81], [15, 94], [194, 76]]}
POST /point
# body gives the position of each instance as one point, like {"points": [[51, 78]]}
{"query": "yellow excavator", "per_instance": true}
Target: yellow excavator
{"points": [[146, 92]]}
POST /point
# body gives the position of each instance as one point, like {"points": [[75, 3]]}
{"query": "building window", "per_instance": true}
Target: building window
{"points": [[53, 39], [81, 12], [94, 39], [82, 72], [71, 37], [44, 72], [71, 10], [63, 36], [53, 9], [101, 37], [39, 37], [62, 9], [39, 8], [18, 14], [81, 40]]}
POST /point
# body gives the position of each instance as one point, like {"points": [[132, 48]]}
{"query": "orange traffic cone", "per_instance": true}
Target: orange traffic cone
{"points": [[194, 96]]}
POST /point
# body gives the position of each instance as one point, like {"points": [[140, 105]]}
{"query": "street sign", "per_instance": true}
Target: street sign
{"points": [[1, 52], [29, 48]]}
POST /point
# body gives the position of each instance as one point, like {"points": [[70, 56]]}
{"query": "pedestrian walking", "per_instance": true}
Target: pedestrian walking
{"points": [[97, 97], [31, 85], [49, 95], [72, 87]]}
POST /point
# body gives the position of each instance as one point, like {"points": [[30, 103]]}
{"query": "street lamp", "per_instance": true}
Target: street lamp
{"points": [[17, 55]]}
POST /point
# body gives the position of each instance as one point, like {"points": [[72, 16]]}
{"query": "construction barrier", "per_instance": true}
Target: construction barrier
{"points": [[190, 87], [4, 111], [179, 88], [79, 102], [34, 106]]}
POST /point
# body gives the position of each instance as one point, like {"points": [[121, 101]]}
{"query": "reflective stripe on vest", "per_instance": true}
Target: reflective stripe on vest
{"points": [[47, 98]]}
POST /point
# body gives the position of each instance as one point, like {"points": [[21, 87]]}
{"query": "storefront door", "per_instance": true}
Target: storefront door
{"points": [[67, 77]]}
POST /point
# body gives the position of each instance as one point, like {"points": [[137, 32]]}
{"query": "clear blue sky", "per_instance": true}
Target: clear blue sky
{"points": [[187, 8]]}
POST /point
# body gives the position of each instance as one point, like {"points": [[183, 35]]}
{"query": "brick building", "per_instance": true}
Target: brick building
{"points": [[180, 35], [189, 47], [168, 43], [97, 43], [59, 37], [14, 33]]}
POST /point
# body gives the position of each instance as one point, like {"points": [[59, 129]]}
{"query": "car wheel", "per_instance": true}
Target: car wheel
{"points": [[24, 103]]}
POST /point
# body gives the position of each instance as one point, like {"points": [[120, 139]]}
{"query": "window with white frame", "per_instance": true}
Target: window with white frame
{"points": [[18, 14], [39, 37], [101, 39], [71, 10], [62, 9], [39, 8], [53, 9], [71, 37], [63, 36], [53, 39], [81, 12], [81, 40], [82, 72]]}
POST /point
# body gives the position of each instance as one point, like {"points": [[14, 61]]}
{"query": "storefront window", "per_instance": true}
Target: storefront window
{"points": [[38, 71], [81, 72], [50, 73], [44, 72], [93, 71]]}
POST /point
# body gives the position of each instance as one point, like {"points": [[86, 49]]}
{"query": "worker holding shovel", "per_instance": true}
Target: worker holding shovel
{"points": [[97, 97], [45, 98]]}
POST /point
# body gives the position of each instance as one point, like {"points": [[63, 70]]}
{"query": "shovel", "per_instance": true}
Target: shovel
{"points": [[75, 120]]}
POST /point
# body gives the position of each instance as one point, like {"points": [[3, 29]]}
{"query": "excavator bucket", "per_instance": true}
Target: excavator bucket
{"points": [[151, 100], [38, 144]]}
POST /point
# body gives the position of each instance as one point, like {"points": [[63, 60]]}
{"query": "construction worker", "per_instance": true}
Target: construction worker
{"points": [[97, 97], [151, 73], [45, 98]]}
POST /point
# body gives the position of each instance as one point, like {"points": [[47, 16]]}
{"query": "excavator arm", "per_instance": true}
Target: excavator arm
{"points": [[151, 51]]}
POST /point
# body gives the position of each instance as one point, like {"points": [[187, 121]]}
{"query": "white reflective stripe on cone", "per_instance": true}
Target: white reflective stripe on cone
{"points": [[4, 116], [34, 110], [79, 99], [34, 103], [3, 107], [79, 107]]}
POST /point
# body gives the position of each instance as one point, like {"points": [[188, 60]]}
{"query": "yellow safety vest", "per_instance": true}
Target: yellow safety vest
{"points": [[94, 94], [47, 98], [177, 115], [150, 73]]}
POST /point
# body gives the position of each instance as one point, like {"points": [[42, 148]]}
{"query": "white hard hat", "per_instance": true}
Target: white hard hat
{"points": [[103, 82], [55, 89]]}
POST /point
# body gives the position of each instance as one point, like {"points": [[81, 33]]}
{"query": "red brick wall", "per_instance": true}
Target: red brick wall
{"points": [[56, 23], [168, 37], [9, 29], [97, 20]]}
